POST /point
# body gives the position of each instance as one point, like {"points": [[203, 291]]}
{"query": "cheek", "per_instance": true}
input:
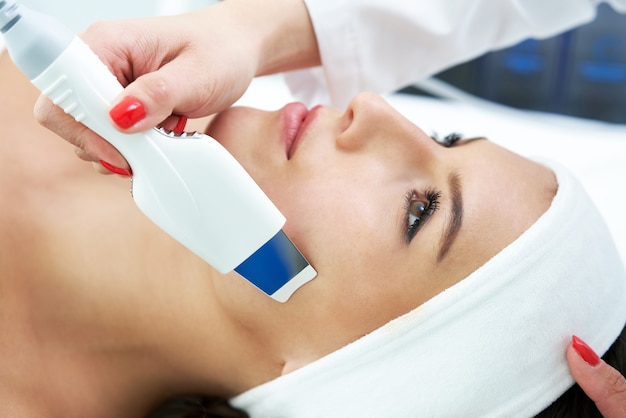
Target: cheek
{"points": [[246, 134], [339, 226], [348, 231]]}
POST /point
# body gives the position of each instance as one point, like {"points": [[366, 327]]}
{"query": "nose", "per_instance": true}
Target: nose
{"points": [[358, 115], [371, 122]]}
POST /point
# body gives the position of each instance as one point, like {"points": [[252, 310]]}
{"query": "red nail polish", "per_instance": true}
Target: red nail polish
{"points": [[127, 112], [116, 170], [180, 125], [585, 351]]}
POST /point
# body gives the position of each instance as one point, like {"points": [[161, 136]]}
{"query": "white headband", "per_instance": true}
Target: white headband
{"points": [[491, 345]]}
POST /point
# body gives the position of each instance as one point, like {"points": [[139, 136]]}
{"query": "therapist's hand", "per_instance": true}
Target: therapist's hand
{"points": [[601, 382], [191, 65]]}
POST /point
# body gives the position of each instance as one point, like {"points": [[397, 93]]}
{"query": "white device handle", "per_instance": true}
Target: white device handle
{"points": [[189, 185]]}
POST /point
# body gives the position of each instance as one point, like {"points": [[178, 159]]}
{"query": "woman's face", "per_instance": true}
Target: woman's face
{"points": [[386, 215]]}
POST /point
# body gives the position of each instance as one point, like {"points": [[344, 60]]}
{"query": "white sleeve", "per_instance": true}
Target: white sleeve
{"points": [[383, 45]]}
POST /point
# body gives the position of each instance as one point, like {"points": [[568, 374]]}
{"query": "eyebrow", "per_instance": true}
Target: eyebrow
{"points": [[455, 220]]}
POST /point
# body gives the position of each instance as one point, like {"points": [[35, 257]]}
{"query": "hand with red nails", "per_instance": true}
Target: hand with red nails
{"points": [[194, 65], [601, 382]]}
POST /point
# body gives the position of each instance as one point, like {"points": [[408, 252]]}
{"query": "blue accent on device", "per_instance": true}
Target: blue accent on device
{"points": [[273, 265]]}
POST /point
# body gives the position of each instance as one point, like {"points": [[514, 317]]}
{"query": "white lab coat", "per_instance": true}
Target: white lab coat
{"points": [[381, 46]]}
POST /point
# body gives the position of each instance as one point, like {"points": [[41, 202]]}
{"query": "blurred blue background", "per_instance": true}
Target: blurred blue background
{"points": [[580, 73]]}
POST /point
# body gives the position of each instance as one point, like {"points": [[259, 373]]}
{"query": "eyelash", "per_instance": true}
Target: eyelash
{"points": [[431, 197], [447, 141]]}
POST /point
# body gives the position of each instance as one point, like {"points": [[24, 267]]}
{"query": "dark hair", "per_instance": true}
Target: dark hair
{"points": [[197, 407], [573, 403]]}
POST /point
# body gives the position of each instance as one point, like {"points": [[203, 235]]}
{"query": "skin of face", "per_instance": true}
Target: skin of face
{"points": [[342, 188]]}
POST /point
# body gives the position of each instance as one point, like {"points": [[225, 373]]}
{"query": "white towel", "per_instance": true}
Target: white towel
{"points": [[493, 345]]}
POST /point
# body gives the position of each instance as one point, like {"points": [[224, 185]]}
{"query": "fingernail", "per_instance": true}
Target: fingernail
{"points": [[585, 351], [116, 170], [180, 125], [127, 113]]}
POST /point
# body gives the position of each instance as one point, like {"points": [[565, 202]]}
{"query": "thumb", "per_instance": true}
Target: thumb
{"points": [[601, 382], [153, 97]]}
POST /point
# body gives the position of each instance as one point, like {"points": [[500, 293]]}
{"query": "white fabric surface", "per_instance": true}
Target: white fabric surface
{"points": [[491, 346], [384, 45]]}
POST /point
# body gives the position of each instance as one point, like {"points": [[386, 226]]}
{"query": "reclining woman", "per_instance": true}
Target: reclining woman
{"points": [[418, 246]]}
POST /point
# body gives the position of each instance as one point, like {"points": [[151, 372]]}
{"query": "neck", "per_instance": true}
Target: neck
{"points": [[70, 374], [75, 353]]}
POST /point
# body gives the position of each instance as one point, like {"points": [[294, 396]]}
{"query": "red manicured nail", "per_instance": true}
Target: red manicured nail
{"points": [[116, 170], [180, 125], [127, 113], [585, 351]]}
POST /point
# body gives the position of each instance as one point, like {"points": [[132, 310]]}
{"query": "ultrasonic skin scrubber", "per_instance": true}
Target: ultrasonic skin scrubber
{"points": [[187, 184]]}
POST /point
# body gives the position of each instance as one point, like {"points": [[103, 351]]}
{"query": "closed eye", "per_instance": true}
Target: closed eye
{"points": [[448, 140], [453, 139]]}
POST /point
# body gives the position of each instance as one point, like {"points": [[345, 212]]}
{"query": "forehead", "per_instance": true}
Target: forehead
{"points": [[504, 194]]}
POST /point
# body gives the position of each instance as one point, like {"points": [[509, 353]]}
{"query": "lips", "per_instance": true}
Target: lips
{"points": [[293, 118]]}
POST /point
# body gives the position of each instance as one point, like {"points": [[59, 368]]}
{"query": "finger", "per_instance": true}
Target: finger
{"points": [[175, 123], [115, 170], [93, 147], [151, 99], [180, 87], [601, 382], [100, 169]]}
